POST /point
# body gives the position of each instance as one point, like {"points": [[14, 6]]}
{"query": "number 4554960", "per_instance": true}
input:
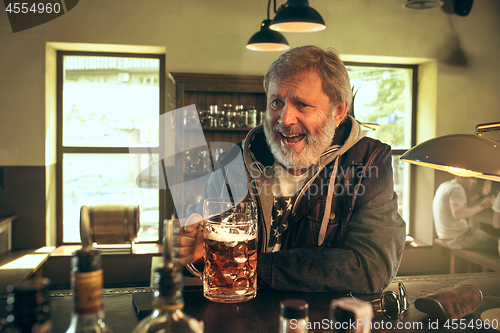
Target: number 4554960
{"points": [[474, 324], [35, 8]]}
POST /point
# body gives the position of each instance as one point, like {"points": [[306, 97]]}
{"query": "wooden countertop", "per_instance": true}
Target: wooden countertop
{"points": [[261, 314], [16, 266]]}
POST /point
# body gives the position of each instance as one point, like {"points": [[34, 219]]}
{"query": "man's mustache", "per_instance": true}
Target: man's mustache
{"points": [[290, 130]]}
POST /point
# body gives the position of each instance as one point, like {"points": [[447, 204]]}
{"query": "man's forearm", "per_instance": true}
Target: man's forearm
{"points": [[463, 212], [496, 220], [318, 270]]}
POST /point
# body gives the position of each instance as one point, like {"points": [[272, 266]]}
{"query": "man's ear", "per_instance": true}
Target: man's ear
{"points": [[340, 112]]}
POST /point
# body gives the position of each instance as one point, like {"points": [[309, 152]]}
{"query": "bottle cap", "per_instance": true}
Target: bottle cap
{"points": [[294, 308]]}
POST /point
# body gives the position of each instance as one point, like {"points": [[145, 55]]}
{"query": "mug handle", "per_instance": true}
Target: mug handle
{"points": [[193, 270]]}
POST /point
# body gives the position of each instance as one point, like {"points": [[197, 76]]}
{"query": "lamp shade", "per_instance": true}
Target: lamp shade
{"points": [[267, 39], [422, 4], [460, 154], [297, 16]]}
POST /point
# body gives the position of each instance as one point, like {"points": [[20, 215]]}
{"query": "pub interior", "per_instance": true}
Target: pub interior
{"points": [[454, 59]]}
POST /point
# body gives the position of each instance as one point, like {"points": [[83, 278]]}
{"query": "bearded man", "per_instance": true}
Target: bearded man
{"points": [[328, 217]]}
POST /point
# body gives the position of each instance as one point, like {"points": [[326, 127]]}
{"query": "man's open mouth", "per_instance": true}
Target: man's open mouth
{"points": [[290, 139]]}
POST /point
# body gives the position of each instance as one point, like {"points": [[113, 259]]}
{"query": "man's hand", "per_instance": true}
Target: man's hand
{"points": [[188, 240], [488, 202], [485, 190], [462, 212]]}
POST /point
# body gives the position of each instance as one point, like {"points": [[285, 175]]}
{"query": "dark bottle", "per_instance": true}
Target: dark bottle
{"points": [[28, 305], [168, 301], [87, 283], [294, 316]]}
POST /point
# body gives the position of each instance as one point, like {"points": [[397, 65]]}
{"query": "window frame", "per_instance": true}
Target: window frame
{"points": [[164, 204], [413, 134]]}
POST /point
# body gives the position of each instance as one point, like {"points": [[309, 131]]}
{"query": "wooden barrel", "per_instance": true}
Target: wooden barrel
{"points": [[114, 223]]}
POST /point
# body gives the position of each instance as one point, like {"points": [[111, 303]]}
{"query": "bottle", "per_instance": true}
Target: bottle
{"points": [[252, 117], [28, 307], [244, 118], [238, 109], [213, 115], [294, 316], [86, 283], [168, 301]]}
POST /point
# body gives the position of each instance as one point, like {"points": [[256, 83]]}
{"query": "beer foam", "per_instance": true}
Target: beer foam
{"points": [[222, 236]]}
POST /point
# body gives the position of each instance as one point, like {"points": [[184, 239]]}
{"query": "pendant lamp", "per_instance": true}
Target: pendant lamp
{"points": [[297, 16], [464, 155], [267, 39]]}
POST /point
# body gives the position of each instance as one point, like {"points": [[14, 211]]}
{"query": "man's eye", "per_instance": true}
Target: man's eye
{"points": [[276, 103]]}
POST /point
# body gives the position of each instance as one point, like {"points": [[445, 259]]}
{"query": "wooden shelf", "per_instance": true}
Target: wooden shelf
{"points": [[4, 219], [219, 129], [204, 90], [6, 232], [222, 129]]}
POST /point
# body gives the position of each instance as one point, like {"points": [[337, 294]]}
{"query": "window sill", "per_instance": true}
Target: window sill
{"points": [[152, 249], [415, 243]]}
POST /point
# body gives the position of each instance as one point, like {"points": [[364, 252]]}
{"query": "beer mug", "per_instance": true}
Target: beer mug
{"points": [[229, 250]]}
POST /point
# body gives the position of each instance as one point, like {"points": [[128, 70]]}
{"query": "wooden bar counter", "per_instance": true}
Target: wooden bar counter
{"points": [[261, 314]]}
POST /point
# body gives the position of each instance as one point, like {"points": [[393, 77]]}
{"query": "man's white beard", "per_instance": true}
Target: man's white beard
{"points": [[315, 145]]}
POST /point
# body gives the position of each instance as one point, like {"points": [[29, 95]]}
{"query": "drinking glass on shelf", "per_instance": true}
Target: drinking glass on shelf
{"points": [[213, 114], [217, 153], [238, 115], [204, 118], [190, 117], [252, 117], [244, 118], [221, 118], [188, 163], [229, 119], [261, 117], [204, 165]]}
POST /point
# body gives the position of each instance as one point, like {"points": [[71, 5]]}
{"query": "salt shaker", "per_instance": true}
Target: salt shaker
{"points": [[294, 316]]}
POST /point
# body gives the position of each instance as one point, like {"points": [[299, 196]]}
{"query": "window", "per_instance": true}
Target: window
{"points": [[105, 101], [385, 104]]}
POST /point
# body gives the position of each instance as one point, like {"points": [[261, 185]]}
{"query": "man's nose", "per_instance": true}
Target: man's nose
{"points": [[288, 116]]}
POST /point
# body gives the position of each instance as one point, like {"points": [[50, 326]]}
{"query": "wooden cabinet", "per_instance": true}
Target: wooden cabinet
{"points": [[204, 90]]}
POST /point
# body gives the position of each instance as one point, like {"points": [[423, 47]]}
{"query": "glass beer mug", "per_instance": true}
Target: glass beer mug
{"points": [[229, 250]]}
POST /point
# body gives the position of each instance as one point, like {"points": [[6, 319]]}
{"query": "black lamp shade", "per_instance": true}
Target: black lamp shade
{"points": [[297, 16], [460, 154], [267, 39]]}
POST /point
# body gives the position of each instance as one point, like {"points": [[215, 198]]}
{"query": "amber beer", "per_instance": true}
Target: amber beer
{"points": [[229, 250], [230, 256]]}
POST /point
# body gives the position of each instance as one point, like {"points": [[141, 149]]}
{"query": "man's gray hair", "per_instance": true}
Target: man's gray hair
{"points": [[335, 80]]}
